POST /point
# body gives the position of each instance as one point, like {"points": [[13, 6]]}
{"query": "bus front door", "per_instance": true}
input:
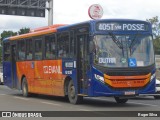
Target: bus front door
{"points": [[82, 63]]}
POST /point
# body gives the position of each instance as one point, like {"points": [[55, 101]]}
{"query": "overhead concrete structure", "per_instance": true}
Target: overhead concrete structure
{"points": [[34, 8]]}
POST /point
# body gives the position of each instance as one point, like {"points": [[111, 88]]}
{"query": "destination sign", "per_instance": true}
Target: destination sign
{"points": [[114, 26]]}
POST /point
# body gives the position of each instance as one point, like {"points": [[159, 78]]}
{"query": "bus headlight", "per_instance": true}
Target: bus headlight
{"points": [[100, 78], [153, 76]]}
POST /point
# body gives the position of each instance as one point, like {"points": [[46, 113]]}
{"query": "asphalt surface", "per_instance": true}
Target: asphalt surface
{"points": [[12, 100]]}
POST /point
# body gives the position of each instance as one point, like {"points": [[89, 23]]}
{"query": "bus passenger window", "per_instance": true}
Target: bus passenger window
{"points": [[29, 49], [72, 44], [7, 55], [50, 47], [38, 49], [21, 50], [63, 45]]}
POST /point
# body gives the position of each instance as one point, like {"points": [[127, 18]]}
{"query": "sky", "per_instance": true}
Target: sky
{"points": [[74, 11]]}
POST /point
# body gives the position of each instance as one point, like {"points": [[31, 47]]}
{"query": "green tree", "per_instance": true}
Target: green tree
{"points": [[23, 31], [6, 34], [156, 33], [10, 33]]}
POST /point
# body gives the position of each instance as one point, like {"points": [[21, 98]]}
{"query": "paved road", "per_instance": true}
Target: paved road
{"points": [[12, 100]]}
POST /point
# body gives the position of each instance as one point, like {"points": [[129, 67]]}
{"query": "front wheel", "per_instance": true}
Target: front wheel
{"points": [[25, 87], [121, 100], [72, 95]]}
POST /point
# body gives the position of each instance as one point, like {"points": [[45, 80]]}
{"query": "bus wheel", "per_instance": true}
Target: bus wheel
{"points": [[25, 88], [72, 96], [121, 100]]}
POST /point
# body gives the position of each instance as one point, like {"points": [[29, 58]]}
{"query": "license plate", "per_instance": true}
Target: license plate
{"points": [[129, 93]]}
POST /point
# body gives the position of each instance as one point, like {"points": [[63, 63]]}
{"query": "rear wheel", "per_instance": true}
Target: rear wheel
{"points": [[72, 96], [25, 87], [121, 100]]}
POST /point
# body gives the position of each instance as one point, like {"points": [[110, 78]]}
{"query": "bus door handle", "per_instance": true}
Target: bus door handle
{"points": [[32, 64]]}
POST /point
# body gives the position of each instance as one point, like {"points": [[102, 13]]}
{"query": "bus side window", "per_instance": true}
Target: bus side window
{"points": [[50, 47], [21, 50], [29, 48], [38, 49], [63, 45], [72, 44], [7, 54]]}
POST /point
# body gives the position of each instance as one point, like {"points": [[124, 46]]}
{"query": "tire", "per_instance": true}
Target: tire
{"points": [[121, 101], [25, 88], [156, 97], [1, 83], [72, 96]]}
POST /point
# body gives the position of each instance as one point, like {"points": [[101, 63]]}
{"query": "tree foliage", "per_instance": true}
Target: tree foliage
{"points": [[155, 26], [10, 33], [23, 31], [156, 33], [6, 34]]}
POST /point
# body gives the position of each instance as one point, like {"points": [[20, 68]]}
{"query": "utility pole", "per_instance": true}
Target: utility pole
{"points": [[50, 12]]}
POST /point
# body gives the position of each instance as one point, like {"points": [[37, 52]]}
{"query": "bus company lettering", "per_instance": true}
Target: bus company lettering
{"points": [[107, 60], [52, 69]]}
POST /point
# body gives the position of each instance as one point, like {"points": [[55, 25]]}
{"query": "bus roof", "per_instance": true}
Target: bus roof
{"points": [[62, 27]]}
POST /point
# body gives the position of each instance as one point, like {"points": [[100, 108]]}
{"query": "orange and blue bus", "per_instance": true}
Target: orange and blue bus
{"points": [[107, 57]]}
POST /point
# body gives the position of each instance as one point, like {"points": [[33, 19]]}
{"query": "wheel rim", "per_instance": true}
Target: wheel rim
{"points": [[72, 92], [24, 89]]}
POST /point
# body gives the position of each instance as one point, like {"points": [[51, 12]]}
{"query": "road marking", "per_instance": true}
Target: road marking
{"points": [[51, 103], [21, 98]]}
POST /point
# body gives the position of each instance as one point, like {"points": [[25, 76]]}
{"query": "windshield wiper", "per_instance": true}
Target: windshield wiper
{"points": [[134, 41], [118, 43]]}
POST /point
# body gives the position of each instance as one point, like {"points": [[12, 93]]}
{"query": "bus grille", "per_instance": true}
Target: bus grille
{"points": [[127, 81]]}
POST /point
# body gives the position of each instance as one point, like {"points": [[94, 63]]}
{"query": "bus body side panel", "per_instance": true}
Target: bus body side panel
{"points": [[7, 76], [53, 77], [69, 68], [25, 69], [20, 70], [39, 82], [30, 75], [16, 83], [43, 77]]}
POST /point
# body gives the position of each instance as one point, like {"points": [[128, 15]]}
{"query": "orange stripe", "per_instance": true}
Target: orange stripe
{"points": [[32, 34], [127, 77], [47, 27]]}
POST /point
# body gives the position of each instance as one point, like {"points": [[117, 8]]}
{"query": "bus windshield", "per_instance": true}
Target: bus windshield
{"points": [[123, 50]]}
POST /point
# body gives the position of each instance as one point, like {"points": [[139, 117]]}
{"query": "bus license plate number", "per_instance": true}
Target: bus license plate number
{"points": [[129, 93]]}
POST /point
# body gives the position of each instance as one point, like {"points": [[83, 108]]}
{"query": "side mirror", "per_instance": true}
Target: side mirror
{"points": [[91, 46]]}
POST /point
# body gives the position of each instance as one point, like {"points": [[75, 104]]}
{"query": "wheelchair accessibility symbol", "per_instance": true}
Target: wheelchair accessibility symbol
{"points": [[132, 62]]}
